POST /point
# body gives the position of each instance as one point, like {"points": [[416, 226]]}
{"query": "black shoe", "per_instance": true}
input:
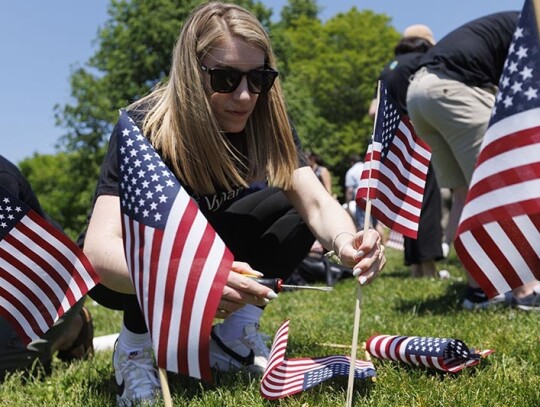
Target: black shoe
{"points": [[476, 298]]}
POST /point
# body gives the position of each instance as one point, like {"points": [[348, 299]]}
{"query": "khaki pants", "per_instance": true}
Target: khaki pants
{"points": [[452, 118]]}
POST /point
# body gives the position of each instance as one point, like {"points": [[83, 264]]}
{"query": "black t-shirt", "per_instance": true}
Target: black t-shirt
{"points": [[396, 76], [210, 205], [475, 52], [16, 184]]}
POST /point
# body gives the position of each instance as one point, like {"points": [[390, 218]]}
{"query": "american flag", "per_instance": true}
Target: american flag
{"points": [[449, 355], [498, 238], [395, 169], [178, 263], [284, 377], [42, 272]]}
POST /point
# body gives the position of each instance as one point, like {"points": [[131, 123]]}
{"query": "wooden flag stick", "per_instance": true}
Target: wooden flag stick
{"points": [[165, 387], [350, 386], [357, 310]]}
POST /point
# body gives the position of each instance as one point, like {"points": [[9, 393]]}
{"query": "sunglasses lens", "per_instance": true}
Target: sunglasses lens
{"points": [[224, 80], [261, 81], [227, 80]]}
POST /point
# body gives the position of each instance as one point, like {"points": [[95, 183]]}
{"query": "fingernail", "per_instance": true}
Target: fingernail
{"points": [[271, 295], [254, 273], [266, 301], [359, 253], [356, 272], [363, 280]]}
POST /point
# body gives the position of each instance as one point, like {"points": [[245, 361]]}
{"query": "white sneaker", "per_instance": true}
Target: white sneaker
{"points": [[445, 250], [136, 377], [248, 353]]}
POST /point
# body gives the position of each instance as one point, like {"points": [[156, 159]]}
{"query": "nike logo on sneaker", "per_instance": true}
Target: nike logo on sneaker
{"points": [[247, 360], [132, 355], [120, 387]]}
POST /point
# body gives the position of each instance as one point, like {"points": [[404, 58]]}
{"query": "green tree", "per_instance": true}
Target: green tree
{"points": [[57, 187], [332, 69], [295, 9]]}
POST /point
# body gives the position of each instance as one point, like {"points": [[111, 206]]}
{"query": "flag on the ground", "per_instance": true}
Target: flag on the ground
{"points": [[498, 238], [178, 263], [284, 377], [395, 169], [449, 355], [42, 272]]}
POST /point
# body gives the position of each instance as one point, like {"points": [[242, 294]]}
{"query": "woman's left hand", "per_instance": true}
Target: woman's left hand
{"points": [[364, 253]]}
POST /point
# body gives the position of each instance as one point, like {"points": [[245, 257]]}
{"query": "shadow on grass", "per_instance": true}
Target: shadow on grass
{"points": [[188, 388], [447, 303]]}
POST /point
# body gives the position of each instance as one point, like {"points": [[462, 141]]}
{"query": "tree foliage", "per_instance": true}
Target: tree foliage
{"points": [[62, 188], [328, 70], [332, 69]]}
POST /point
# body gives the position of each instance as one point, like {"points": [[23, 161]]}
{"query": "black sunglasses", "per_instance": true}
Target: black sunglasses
{"points": [[227, 80]]}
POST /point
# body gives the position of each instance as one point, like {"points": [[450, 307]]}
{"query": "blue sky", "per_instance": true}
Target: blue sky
{"points": [[41, 41]]}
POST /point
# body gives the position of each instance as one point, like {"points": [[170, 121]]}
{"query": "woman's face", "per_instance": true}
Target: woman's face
{"points": [[232, 110]]}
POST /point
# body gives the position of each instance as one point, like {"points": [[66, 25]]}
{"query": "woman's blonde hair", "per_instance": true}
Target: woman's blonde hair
{"points": [[180, 123]]}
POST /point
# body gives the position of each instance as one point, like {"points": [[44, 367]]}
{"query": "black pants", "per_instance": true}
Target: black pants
{"points": [[262, 229], [427, 246]]}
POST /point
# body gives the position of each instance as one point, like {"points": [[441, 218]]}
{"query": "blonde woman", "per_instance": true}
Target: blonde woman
{"points": [[221, 125]]}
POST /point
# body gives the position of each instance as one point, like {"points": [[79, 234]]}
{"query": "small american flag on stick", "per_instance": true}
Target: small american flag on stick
{"points": [[395, 168], [498, 238], [178, 263], [284, 377], [448, 355], [42, 272]]}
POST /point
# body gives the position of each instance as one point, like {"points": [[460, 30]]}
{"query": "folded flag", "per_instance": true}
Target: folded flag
{"points": [[284, 377], [448, 355], [42, 272]]}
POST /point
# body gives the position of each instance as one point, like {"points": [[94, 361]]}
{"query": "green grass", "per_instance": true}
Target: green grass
{"points": [[320, 324]]}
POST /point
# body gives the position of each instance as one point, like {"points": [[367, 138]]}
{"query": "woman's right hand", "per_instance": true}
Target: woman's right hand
{"points": [[240, 290]]}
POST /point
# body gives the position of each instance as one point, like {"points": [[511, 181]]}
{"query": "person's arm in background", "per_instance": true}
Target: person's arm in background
{"points": [[326, 179], [372, 108]]}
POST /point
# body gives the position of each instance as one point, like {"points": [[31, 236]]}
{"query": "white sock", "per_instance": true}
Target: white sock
{"points": [[129, 340], [233, 326]]}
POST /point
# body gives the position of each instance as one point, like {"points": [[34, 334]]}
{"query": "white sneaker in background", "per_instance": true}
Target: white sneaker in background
{"points": [[444, 274], [445, 249], [105, 342]]}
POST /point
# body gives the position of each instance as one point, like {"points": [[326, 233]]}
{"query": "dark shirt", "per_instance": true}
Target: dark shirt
{"points": [[396, 76], [475, 52], [211, 204], [16, 184]]}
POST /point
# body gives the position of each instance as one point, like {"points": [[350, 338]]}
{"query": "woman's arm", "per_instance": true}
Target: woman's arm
{"points": [[333, 227], [104, 247]]}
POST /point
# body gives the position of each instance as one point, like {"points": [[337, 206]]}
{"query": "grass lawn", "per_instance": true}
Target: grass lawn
{"points": [[321, 325]]}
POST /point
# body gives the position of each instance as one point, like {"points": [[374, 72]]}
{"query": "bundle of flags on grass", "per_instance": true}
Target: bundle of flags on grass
{"points": [[284, 377], [446, 354]]}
